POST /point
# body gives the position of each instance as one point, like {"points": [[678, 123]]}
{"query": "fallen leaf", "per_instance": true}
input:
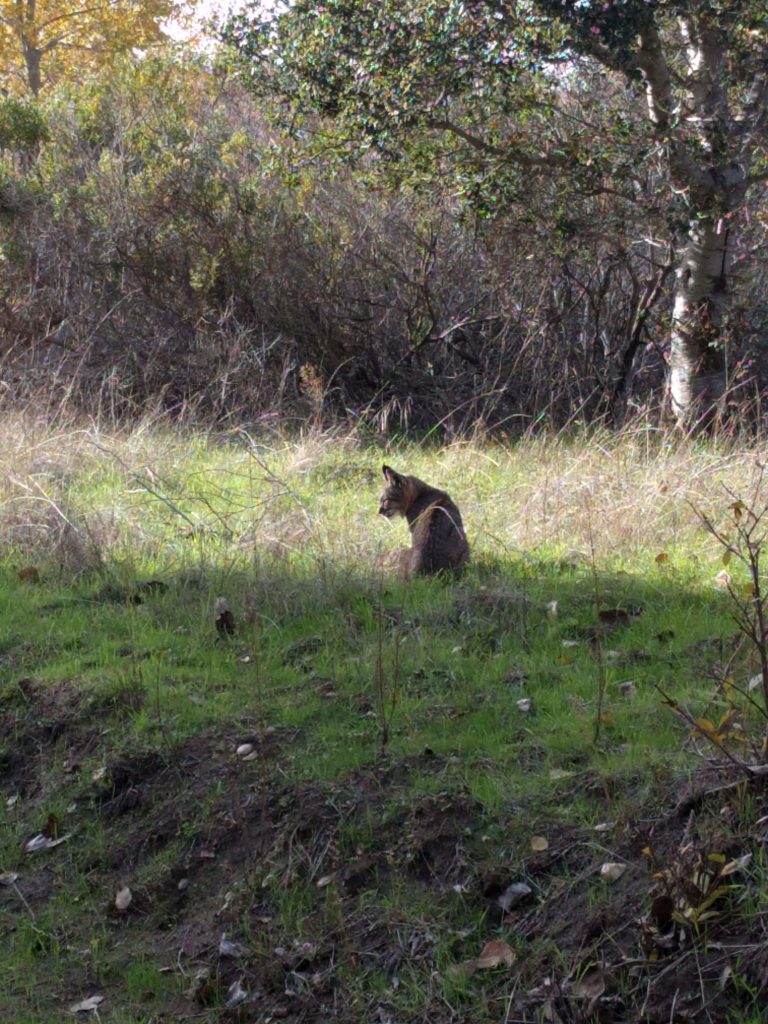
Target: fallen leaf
{"points": [[123, 898], [88, 1005], [324, 881], [514, 894], [556, 774], [495, 953], [228, 948], [661, 558], [236, 994], [29, 574], [43, 842], [591, 986], [539, 843], [612, 872], [704, 725]]}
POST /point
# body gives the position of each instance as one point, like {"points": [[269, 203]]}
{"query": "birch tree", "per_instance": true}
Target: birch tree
{"points": [[495, 78]]}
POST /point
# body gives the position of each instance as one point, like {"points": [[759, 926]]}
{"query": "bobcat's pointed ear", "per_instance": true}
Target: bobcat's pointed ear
{"points": [[389, 474]]}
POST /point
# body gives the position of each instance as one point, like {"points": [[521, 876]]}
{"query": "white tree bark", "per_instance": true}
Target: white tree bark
{"points": [[701, 139]]}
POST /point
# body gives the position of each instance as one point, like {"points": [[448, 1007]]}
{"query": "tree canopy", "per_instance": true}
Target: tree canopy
{"points": [[42, 41], [504, 80]]}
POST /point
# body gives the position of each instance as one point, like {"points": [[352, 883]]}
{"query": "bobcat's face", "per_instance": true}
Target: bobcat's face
{"points": [[397, 495]]}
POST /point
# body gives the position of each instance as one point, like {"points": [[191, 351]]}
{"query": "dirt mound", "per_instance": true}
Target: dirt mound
{"points": [[260, 897]]}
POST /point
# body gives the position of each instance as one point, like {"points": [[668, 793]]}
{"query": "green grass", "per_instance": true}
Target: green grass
{"points": [[93, 685]]}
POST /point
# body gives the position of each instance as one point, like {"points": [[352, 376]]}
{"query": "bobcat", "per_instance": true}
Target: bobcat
{"points": [[438, 541]]}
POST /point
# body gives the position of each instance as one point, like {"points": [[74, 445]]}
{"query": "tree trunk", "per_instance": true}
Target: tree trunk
{"points": [[703, 170], [696, 355], [698, 339], [32, 55]]}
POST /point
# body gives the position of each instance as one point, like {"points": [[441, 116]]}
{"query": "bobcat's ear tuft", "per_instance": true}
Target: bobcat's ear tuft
{"points": [[389, 474]]}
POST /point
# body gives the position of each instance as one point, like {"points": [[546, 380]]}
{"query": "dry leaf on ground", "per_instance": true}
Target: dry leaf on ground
{"points": [[612, 872], [123, 898], [493, 954], [514, 894], [43, 842], [89, 1005]]}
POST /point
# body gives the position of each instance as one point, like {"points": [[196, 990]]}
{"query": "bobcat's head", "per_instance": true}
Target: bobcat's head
{"points": [[397, 496]]}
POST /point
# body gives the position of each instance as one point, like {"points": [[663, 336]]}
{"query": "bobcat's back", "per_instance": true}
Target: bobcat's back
{"points": [[438, 540]]}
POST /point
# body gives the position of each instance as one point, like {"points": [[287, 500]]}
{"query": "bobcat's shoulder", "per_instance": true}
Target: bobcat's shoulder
{"points": [[438, 540]]}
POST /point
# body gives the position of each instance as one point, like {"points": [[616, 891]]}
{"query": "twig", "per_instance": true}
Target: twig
{"points": [[687, 717]]}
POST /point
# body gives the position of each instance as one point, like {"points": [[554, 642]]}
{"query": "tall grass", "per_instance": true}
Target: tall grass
{"points": [[158, 496]]}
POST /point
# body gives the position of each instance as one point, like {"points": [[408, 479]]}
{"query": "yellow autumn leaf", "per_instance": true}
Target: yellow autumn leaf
{"points": [[52, 40], [705, 725]]}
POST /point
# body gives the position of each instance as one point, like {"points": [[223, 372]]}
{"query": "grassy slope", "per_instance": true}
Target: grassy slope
{"points": [[354, 879]]}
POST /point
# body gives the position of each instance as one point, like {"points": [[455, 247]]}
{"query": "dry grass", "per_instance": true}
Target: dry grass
{"points": [[83, 496]]}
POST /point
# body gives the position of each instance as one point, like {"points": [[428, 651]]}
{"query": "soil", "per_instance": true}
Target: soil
{"points": [[235, 839]]}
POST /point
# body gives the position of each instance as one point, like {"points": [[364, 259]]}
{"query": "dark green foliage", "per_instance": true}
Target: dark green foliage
{"points": [[23, 125]]}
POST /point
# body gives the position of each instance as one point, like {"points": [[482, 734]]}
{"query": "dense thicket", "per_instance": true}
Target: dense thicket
{"points": [[499, 79], [166, 245]]}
